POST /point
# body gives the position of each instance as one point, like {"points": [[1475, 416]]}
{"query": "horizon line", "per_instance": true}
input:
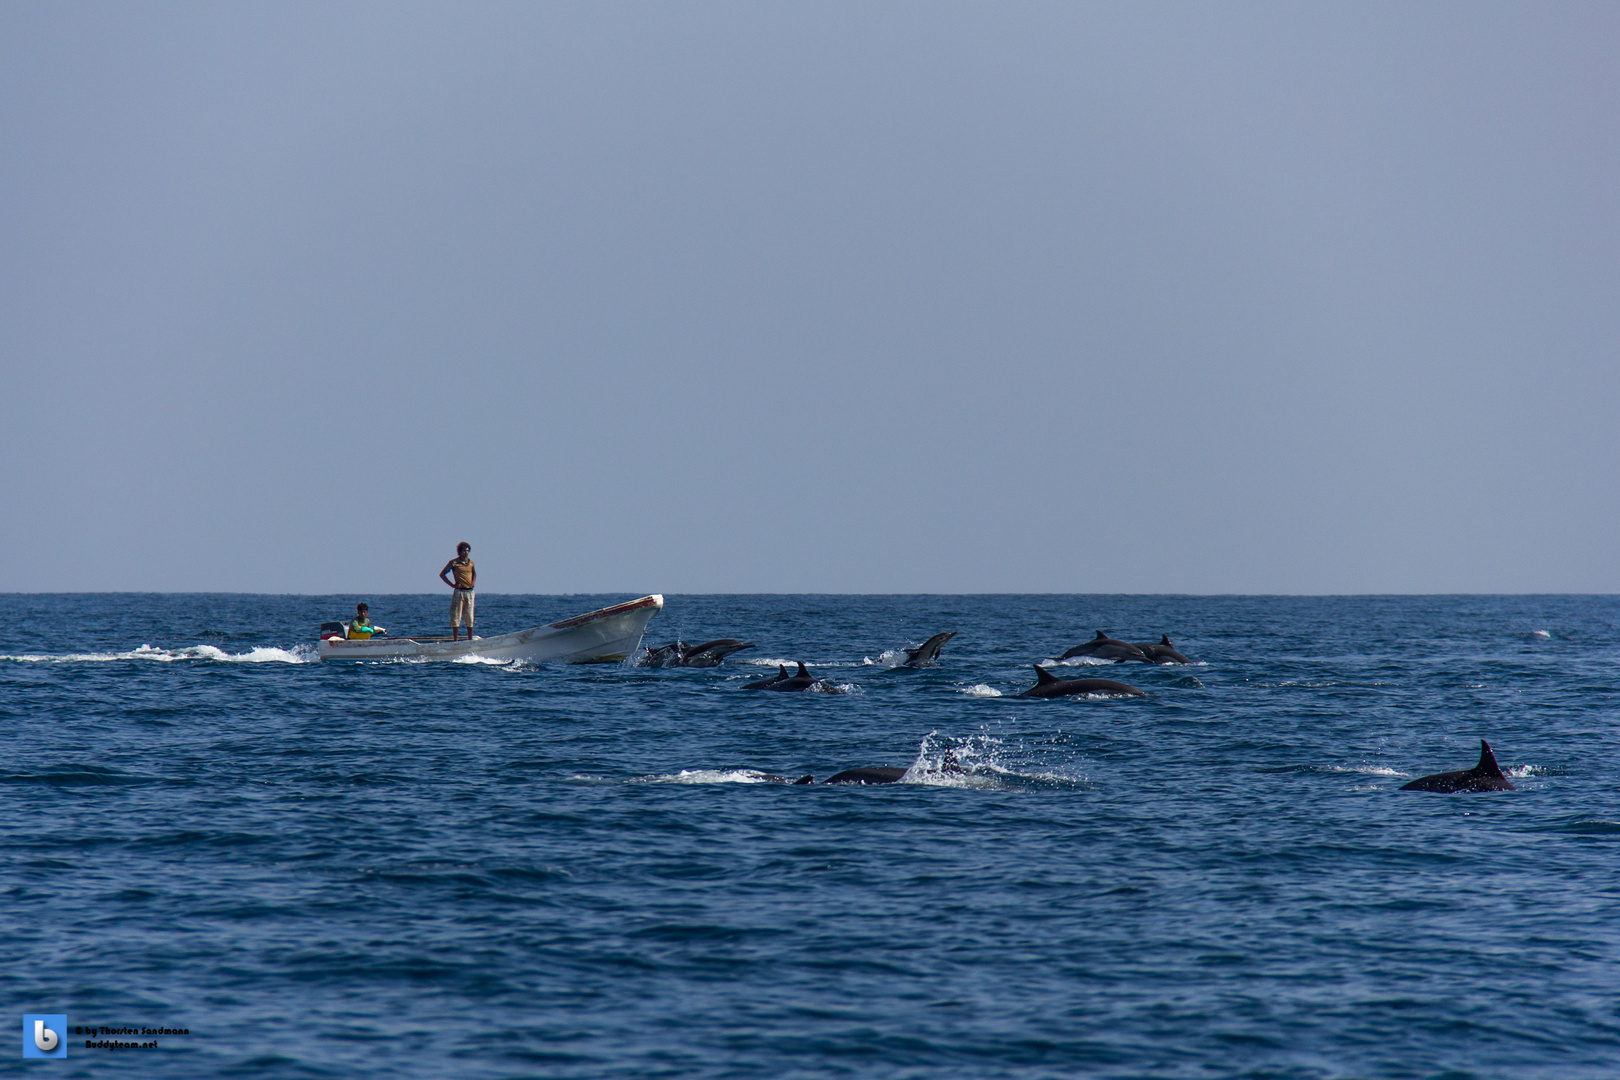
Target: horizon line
{"points": [[762, 592]]}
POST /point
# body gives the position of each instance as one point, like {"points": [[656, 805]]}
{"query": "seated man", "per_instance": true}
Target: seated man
{"points": [[360, 626]]}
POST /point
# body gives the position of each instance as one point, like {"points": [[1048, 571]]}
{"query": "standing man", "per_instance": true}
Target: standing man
{"points": [[461, 600]]}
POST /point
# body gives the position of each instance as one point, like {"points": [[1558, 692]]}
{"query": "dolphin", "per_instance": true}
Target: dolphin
{"points": [[711, 653], [772, 778], [680, 654], [766, 684], [1048, 685], [801, 680], [1104, 647], [880, 774], [926, 654], [1163, 652], [888, 774], [1486, 776], [663, 655]]}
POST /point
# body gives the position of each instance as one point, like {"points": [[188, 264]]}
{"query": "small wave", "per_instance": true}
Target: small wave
{"points": [[1297, 684], [75, 776], [488, 661], [1354, 770], [302, 654], [1540, 634], [1589, 826], [776, 661], [980, 690], [1079, 661]]}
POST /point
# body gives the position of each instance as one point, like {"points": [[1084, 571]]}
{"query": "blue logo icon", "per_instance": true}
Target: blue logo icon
{"points": [[44, 1035]]}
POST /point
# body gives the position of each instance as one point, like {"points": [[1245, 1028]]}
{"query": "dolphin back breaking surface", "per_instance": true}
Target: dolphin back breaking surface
{"points": [[1104, 647], [1048, 685], [1486, 776]]}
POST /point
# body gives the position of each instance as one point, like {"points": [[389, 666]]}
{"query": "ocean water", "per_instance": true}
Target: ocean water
{"points": [[473, 870]]}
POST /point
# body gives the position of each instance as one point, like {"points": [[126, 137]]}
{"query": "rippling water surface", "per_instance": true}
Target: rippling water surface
{"points": [[425, 870]]}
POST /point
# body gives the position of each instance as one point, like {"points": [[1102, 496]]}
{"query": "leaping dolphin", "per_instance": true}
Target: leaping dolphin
{"points": [[711, 653], [1104, 647], [927, 653], [1048, 685], [1163, 652], [662, 655], [1486, 776], [680, 654]]}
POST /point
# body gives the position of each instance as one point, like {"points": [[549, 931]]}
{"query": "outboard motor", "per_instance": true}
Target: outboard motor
{"points": [[331, 630]]}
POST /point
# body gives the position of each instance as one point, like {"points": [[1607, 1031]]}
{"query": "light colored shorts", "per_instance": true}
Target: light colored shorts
{"points": [[461, 603]]}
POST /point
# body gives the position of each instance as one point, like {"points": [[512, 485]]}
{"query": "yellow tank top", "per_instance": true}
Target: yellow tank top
{"points": [[463, 571]]}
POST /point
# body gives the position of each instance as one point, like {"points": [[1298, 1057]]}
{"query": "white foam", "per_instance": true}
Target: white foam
{"points": [[981, 690], [1367, 770], [487, 660], [1080, 661], [264, 654], [1540, 634], [711, 776], [978, 761]]}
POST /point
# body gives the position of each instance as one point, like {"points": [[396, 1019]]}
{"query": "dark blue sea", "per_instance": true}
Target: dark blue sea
{"points": [[474, 870]]}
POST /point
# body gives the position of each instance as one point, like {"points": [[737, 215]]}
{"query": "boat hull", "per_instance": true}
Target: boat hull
{"points": [[597, 637]]}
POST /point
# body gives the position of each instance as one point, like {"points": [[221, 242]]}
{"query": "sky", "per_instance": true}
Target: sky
{"points": [[810, 297]]}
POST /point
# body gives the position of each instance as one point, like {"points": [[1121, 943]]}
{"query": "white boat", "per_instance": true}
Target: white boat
{"points": [[597, 637]]}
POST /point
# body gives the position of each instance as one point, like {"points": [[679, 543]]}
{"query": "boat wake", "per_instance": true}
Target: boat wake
{"points": [[302, 654]]}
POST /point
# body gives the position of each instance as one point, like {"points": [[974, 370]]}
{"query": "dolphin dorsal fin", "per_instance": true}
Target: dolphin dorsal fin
{"points": [[802, 671], [781, 671], [1487, 761], [1042, 676], [1164, 639], [1102, 635]]}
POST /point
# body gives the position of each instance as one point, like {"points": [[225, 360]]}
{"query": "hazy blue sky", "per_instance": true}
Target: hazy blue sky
{"points": [[693, 297]]}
